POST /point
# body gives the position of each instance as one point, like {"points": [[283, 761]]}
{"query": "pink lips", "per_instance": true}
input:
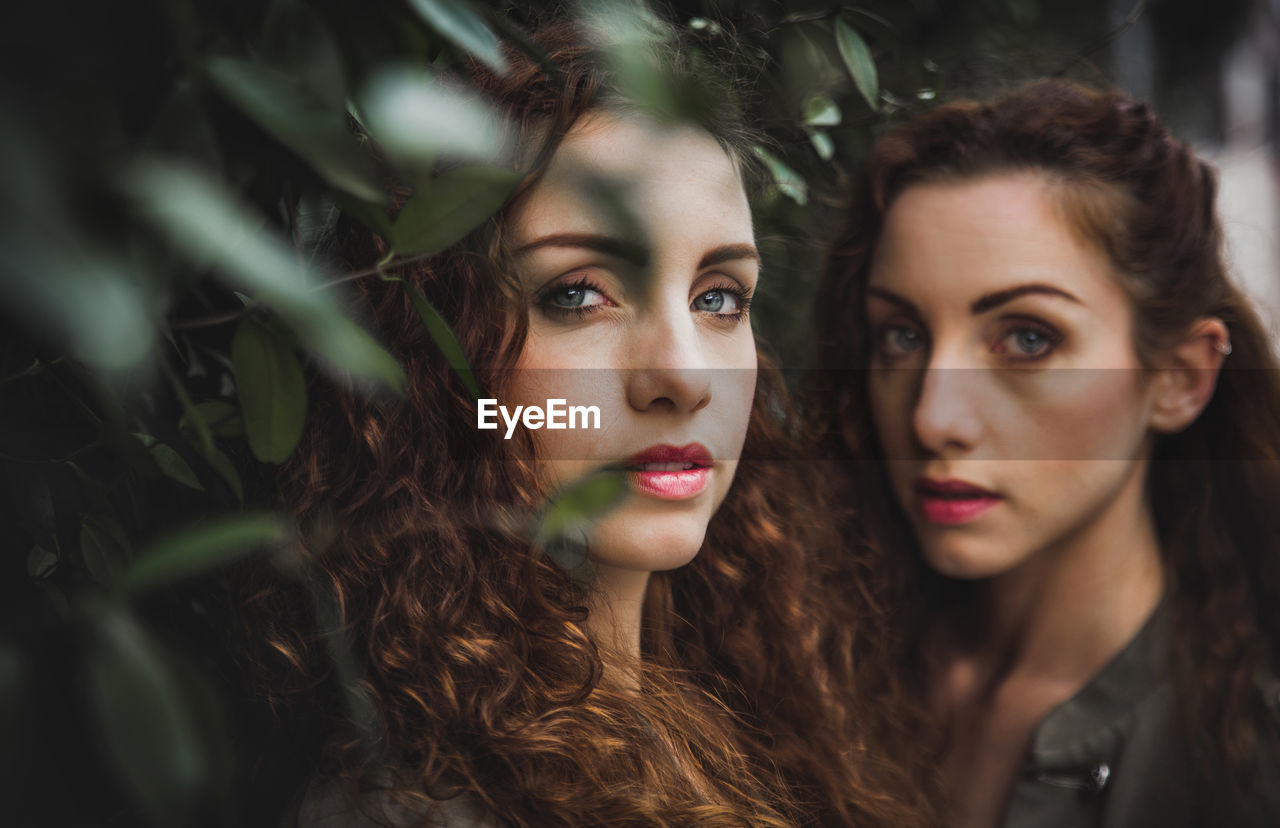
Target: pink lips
{"points": [[953, 502], [671, 472]]}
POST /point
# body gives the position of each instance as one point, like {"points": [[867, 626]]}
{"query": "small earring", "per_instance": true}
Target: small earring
{"points": [[1224, 348]]}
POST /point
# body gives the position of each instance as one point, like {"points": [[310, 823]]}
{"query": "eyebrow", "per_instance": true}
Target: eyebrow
{"points": [[890, 296], [729, 253], [985, 302], [633, 252], [992, 300], [628, 251]]}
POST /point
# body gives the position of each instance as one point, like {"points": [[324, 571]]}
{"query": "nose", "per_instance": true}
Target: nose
{"points": [[946, 418], [668, 368]]}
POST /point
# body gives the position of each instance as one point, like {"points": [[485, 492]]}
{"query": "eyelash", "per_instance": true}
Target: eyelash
{"points": [[1052, 338], [880, 336], [543, 300], [742, 295]]}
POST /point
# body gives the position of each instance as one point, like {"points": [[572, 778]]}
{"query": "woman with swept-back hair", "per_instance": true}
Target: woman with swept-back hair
{"points": [[1065, 421], [684, 680]]}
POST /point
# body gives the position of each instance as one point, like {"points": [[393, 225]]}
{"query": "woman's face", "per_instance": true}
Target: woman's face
{"points": [[637, 256], [1006, 392]]}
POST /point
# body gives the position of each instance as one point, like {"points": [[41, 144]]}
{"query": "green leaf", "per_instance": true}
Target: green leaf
{"points": [[452, 205], [823, 145], [104, 547], [857, 59], [149, 728], [208, 223], [41, 562], [787, 179], [350, 348], [415, 119], [572, 511], [203, 547], [170, 462], [298, 118], [444, 338], [373, 216], [821, 110], [272, 391], [464, 28]]}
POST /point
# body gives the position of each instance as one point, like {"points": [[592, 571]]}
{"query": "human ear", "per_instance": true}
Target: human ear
{"points": [[1188, 376]]}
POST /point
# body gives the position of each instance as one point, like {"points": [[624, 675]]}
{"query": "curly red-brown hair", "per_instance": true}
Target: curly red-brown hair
{"points": [[1148, 202], [473, 644]]}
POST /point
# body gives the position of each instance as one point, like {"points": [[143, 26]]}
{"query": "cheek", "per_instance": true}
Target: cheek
{"points": [[741, 393], [1073, 414], [733, 367]]}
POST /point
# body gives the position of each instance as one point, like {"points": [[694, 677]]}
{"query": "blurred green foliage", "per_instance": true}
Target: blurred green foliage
{"points": [[169, 171]]}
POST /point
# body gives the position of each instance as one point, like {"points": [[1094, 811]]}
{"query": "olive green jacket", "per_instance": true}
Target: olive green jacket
{"points": [[1115, 755]]}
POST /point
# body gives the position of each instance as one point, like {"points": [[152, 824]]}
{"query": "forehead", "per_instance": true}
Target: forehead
{"points": [[618, 169], [970, 237]]}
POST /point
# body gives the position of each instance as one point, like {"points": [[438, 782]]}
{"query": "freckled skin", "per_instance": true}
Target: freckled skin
{"points": [[655, 346]]}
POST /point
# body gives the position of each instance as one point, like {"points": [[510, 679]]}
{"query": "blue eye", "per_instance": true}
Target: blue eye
{"points": [[575, 299], [714, 301], [574, 296], [1027, 343], [899, 340], [1030, 342], [726, 302]]}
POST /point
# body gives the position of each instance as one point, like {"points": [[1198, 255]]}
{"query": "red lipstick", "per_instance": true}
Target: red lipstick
{"points": [[952, 502], [670, 472]]}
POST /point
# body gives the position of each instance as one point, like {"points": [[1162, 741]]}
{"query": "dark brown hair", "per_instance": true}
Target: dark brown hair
{"points": [[472, 643], [1144, 197]]}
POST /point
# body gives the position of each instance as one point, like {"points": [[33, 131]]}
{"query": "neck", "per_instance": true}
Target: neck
{"points": [[1070, 609], [615, 621]]}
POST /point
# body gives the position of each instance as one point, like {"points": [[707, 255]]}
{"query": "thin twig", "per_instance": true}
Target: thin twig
{"points": [[802, 17], [232, 316], [1125, 25]]}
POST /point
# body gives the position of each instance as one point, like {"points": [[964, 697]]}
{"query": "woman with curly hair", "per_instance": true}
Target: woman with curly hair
{"points": [[682, 680], [1063, 417]]}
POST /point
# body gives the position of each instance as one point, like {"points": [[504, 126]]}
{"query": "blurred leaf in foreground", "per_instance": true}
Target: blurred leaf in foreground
{"points": [[563, 529], [415, 118], [202, 547], [450, 206], [788, 181], [207, 222], [151, 728], [459, 23], [297, 117], [58, 278]]}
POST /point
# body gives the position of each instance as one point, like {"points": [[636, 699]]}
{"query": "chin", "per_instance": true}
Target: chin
{"points": [[957, 559], [648, 541]]}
